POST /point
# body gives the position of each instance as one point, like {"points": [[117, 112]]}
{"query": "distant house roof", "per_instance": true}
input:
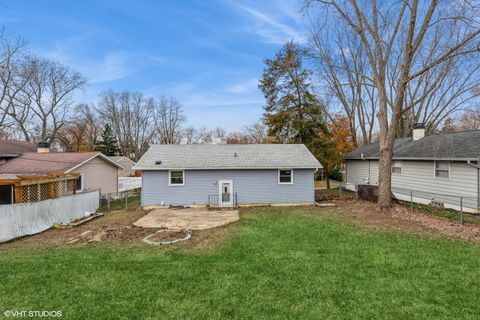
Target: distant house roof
{"points": [[12, 148], [51, 162], [447, 146], [121, 158], [227, 156]]}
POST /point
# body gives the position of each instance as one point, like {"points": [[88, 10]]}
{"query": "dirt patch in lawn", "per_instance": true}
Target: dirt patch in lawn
{"points": [[169, 235], [115, 227], [401, 218]]}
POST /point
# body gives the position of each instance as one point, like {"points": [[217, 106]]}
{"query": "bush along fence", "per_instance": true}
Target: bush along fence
{"points": [[461, 204], [123, 200], [23, 219]]}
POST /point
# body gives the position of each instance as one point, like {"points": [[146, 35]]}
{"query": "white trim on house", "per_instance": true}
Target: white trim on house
{"points": [[398, 165], [291, 176], [170, 184], [101, 155], [82, 183], [435, 169], [220, 192]]}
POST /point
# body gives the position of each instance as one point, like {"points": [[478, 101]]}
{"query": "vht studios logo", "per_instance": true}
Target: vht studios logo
{"points": [[32, 314]]}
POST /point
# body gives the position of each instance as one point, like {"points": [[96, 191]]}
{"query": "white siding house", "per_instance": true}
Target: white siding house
{"points": [[441, 168]]}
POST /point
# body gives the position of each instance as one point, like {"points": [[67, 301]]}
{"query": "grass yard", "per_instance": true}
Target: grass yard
{"points": [[277, 263]]}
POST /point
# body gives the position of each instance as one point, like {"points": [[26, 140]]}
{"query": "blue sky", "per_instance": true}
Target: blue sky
{"points": [[207, 54]]}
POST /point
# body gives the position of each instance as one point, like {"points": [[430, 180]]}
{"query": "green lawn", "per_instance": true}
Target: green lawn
{"points": [[278, 263]]}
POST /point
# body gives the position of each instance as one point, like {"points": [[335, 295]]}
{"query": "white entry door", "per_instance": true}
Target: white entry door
{"points": [[225, 193]]}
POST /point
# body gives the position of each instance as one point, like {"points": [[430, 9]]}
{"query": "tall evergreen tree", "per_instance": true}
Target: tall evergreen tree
{"points": [[293, 114], [108, 145]]}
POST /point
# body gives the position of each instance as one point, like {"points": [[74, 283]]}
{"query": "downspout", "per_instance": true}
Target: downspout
{"points": [[363, 159], [469, 162]]}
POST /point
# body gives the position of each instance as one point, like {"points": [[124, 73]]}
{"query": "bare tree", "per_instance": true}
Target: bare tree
{"points": [[256, 132], [14, 75], [43, 103], [189, 135], [469, 120], [341, 63], [237, 137], [132, 117], [169, 120], [399, 34], [218, 134], [204, 136], [81, 132]]}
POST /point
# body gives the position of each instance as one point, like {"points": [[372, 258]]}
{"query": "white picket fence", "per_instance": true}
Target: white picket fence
{"points": [[22, 219], [129, 183]]}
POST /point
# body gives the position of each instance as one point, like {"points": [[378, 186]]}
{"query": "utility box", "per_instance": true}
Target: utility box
{"points": [[367, 192]]}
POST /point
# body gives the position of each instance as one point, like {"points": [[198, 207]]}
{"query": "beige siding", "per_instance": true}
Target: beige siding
{"points": [[99, 174], [127, 170]]}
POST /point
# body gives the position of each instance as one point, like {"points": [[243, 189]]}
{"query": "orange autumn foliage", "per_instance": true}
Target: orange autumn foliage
{"points": [[340, 129]]}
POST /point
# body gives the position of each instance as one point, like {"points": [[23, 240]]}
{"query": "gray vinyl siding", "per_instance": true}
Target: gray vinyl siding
{"points": [[419, 176], [251, 187], [357, 172]]}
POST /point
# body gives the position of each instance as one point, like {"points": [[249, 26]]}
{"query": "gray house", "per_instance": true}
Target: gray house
{"points": [[440, 169], [227, 175]]}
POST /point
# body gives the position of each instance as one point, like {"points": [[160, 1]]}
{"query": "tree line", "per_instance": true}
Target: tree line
{"points": [[37, 104]]}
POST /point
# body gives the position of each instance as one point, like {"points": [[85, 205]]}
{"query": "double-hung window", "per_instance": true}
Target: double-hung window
{"points": [[285, 176], [397, 167], [176, 178], [442, 169]]}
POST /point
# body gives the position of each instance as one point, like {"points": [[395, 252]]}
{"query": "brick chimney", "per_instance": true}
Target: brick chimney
{"points": [[43, 147], [418, 131]]}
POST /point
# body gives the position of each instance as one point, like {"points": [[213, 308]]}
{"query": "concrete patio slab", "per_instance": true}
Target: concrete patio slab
{"points": [[187, 218]]}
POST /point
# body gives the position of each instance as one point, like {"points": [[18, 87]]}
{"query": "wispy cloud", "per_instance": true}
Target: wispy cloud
{"points": [[268, 26], [243, 87], [113, 66], [110, 66]]}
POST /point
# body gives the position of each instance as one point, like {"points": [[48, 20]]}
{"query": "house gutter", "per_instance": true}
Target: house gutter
{"points": [[469, 162]]}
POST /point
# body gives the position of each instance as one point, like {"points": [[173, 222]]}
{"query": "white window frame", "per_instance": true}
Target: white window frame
{"points": [[170, 184], [82, 182], [435, 169], [399, 165], [291, 176]]}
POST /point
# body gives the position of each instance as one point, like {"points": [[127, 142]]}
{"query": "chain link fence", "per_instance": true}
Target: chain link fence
{"points": [[122, 200], [461, 204]]}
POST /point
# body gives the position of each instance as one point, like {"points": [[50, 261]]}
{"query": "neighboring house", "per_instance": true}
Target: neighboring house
{"points": [[437, 169], [95, 170], [127, 165], [12, 149], [227, 175]]}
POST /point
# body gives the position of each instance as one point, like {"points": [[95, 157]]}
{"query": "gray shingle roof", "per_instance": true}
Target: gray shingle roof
{"points": [[452, 146], [227, 156]]}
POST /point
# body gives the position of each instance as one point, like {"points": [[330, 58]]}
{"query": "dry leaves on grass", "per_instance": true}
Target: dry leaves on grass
{"points": [[401, 218]]}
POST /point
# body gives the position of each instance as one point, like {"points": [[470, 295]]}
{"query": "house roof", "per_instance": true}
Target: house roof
{"points": [[13, 148], [447, 146], [227, 156], [50, 162], [120, 158]]}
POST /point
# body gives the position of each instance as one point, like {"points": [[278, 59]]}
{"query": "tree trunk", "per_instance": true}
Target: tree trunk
{"points": [[385, 177], [327, 180]]}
